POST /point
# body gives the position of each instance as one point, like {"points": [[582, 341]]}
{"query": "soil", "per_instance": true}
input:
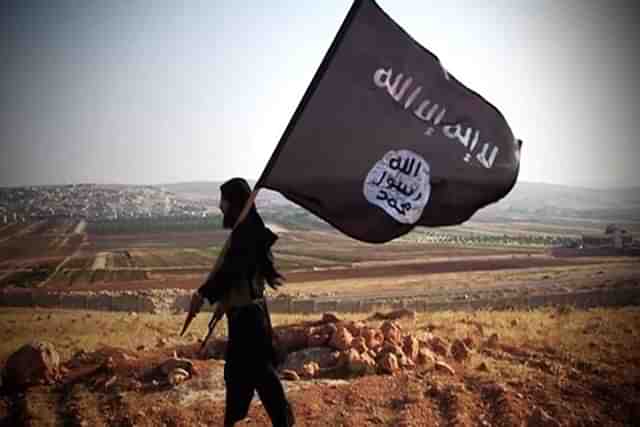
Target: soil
{"points": [[128, 391]]}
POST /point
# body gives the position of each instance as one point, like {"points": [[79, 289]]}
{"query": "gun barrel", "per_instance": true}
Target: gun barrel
{"points": [[187, 322]]}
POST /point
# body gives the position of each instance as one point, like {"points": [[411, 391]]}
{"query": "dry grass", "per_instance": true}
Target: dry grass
{"points": [[575, 364], [606, 337]]}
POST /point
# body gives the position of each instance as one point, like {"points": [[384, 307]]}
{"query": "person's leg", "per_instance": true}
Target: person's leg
{"points": [[239, 393], [274, 400]]}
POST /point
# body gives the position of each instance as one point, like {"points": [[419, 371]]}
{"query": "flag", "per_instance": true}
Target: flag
{"points": [[385, 139]]}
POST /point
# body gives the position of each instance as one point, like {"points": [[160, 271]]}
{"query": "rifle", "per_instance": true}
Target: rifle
{"points": [[218, 312]]}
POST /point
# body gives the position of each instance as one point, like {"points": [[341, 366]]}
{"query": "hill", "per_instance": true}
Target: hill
{"points": [[527, 202]]}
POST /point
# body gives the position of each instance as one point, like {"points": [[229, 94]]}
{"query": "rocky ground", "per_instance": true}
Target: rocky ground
{"points": [[551, 367]]}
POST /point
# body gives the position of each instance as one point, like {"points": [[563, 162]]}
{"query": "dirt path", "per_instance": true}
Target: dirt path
{"points": [[23, 231]]}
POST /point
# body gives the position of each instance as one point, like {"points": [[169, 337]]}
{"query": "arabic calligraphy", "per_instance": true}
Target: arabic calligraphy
{"points": [[399, 183], [432, 113], [469, 138], [427, 110]]}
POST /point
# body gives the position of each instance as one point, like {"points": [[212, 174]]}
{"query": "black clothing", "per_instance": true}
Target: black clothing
{"points": [[248, 258], [246, 263], [238, 285], [249, 367]]}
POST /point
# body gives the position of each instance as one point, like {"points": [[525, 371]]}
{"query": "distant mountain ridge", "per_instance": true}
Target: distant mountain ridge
{"points": [[528, 202]]}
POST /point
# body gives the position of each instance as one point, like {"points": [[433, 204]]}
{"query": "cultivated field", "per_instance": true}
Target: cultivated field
{"points": [[473, 261], [581, 367]]}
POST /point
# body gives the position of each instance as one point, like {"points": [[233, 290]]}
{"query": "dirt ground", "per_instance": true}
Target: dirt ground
{"points": [[582, 368]]}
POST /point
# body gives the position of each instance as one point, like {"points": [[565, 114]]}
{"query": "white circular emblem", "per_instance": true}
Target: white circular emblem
{"points": [[400, 185]]}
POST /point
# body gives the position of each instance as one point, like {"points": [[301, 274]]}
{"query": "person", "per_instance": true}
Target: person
{"points": [[238, 286]]}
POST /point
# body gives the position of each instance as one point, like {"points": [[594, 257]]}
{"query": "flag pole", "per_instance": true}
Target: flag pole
{"points": [[196, 301], [315, 82]]}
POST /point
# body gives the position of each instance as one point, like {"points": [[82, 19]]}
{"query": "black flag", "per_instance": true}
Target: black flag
{"points": [[385, 139]]}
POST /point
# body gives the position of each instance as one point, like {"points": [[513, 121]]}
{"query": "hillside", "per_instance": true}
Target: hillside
{"points": [[527, 202]]}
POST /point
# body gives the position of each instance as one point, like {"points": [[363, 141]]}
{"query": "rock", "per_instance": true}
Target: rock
{"points": [[425, 357], [326, 329], [459, 350], [310, 370], [482, 367], [373, 337], [292, 338], [361, 364], [391, 331], [388, 363], [177, 376], [359, 344], [402, 313], [341, 339], [110, 382], [329, 318], [492, 342], [317, 340], [355, 328], [215, 349], [438, 346], [109, 364], [411, 347], [405, 362], [443, 367], [493, 390], [539, 418], [34, 363], [468, 341], [389, 347], [346, 357], [170, 365], [290, 375], [323, 357], [425, 338]]}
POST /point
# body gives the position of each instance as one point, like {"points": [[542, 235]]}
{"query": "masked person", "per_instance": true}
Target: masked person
{"points": [[239, 287]]}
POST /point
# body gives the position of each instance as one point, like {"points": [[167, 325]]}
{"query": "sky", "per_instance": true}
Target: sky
{"points": [[152, 92]]}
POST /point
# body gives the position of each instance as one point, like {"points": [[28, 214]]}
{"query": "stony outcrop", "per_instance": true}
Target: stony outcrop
{"points": [[341, 339], [459, 350], [34, 363]]}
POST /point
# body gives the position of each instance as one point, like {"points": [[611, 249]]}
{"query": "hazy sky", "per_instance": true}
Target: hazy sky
{"points": [[161, 91]]}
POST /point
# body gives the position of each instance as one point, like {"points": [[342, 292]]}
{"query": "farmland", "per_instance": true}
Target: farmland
{"points": [[66, 255], [579, 366]]}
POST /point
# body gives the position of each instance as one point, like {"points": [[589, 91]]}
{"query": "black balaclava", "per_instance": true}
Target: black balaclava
{"points": [[237, 191]]}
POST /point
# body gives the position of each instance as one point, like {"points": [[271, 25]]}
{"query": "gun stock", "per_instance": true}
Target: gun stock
{"points": [[217, 315]]}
